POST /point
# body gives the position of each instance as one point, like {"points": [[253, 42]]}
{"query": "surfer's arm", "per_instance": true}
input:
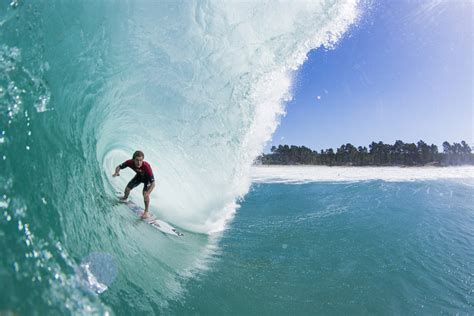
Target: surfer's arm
{"points": [[117, 171], [151, 178], [122, 166]]}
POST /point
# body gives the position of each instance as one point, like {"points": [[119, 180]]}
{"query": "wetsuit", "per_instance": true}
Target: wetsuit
{"points": [[144, 174]]}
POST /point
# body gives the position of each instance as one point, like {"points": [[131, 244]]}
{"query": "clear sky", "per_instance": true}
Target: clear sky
{"points": [[404, 72]]}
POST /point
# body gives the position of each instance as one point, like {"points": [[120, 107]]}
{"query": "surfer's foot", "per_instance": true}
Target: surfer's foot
{"points": [[123, 198], [145, 215]]}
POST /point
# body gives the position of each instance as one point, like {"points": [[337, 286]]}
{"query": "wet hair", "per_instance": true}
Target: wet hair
{"points": [[138, 153]]}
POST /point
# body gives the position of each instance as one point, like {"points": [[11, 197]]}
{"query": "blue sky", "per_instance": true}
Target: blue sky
{"points": [[404, 72]]}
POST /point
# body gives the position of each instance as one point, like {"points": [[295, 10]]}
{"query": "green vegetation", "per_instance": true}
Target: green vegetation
{"points": [[378, 154]]}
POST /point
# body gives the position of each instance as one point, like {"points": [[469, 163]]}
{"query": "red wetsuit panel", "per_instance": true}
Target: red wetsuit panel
{"points": [[144, 172]]}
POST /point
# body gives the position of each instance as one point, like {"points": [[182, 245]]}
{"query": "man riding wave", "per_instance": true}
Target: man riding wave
{"points": [[144, 175]]}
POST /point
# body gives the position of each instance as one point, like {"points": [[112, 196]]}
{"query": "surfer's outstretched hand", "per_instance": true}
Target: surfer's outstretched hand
{"points": [[116, 174]]}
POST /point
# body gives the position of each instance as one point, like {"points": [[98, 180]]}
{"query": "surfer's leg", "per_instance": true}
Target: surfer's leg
{"points": [[146, 199], [146, 196], [126, 193], [133, 183]]}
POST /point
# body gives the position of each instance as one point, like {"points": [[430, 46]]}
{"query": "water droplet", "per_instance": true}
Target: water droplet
{"points": [[14, 3], [100, 270]]}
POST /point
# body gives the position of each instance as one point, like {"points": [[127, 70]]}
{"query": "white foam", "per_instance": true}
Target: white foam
{"points": [[205, 87], [304, 174]]}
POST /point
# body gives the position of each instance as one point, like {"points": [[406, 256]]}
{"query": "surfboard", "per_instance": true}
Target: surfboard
{"points": [[153, 221]]}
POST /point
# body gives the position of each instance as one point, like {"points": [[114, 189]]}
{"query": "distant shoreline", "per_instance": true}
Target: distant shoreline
{"points": [[376, 155]]}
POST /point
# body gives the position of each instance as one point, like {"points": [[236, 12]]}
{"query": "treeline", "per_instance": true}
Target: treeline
{"points": [[378, 154]]}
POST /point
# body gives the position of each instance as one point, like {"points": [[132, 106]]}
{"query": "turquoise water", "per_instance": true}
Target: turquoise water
{"points": [[199, 87], [396, 248]]}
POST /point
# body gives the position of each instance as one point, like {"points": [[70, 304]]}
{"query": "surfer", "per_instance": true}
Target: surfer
{"points": [[144, 175]]}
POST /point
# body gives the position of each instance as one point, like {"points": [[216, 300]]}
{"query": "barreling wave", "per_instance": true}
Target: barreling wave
{"points": [[201, 91], [199, 86]]}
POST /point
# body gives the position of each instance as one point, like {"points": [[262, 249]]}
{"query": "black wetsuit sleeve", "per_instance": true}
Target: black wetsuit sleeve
{"points": [[125, 164]]}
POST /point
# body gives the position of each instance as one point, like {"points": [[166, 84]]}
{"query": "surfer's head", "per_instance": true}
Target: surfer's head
{"points": [[138, 157]]}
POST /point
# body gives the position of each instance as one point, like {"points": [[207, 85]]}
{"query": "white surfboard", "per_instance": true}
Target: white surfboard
{"points": [[153, 221]]}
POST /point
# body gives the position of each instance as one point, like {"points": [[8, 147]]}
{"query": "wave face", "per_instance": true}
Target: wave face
{"points": [[199, 86]]}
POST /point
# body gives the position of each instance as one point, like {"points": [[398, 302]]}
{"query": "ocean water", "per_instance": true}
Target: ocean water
{"points": [[339, 247], [199, 87]]}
